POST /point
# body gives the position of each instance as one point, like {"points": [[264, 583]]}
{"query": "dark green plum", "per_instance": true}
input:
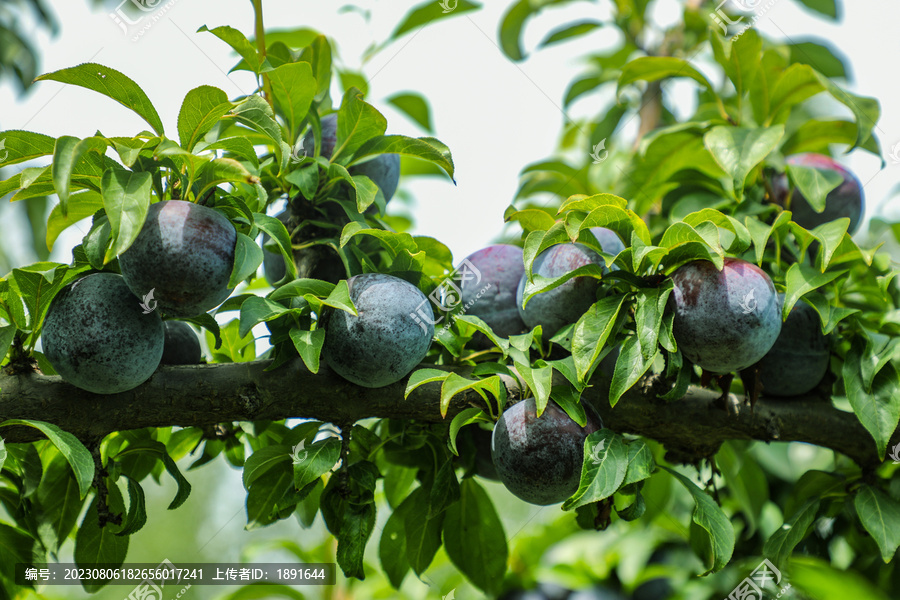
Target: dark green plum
{"points": [[799, 359], [388, 338], [846, 200], [491, 294], [724, 320], [184, 254], [609, 240], [539, 459], [97, 337], [182, 346]]}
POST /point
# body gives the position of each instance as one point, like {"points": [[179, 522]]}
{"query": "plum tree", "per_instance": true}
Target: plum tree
{"points": [[184, 255], [98, 338], [846, 200], [724, 320], [539, 459], [491, 296], [564, 304], [182, 347], [798, 360], [384, 341]]}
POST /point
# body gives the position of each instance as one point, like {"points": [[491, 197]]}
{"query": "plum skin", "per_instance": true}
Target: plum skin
{"points": [[565, 304], [493, 298], [539, 459], [182, 346], [712, 325], [385, 342], [799, 359], [97, 337], [846, 200], [185, 254]]}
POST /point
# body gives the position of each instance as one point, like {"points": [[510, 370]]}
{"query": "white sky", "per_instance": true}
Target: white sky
{"points": [[496, 116]]}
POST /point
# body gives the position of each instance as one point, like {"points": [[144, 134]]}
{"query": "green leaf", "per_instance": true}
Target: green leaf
{"points": [[456, 384], [293, 88], [60, 502], [247, 258], [313, 462], [262, 461], [269, 495], [474, 538], [878, 408], [3, 452], [781, 544], [18, 146], [709, 517], [66, 155], [603, 470], [423, 533], [822, 581], [392, 549], [80, 206], [819, 56], [256, 310], [200, 111], [802, 279], [641, 464], [814, 184], [78, 457], [422, 376], [113, 84], [256, 113], [429, 12], [357, 123], [513, 23], [126, 198], [37, 285], [654, 68], [539, 381], [426, 148], [880, 515], [309, 346], [739, 150], [95, 544], [158, 451], [568, 32], [16, 547], [238, 42], [591, 333], [828, 8], [136, 516], [275, 229], [415, 107]]}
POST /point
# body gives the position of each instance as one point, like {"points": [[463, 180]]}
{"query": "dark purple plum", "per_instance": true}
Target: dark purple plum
{"points": [[98, 338], [724, 320], [565, 304], [184, 255], [388, 338], [491, 295], [846, 200], [799, 359], [539, 459], [182, 346]]}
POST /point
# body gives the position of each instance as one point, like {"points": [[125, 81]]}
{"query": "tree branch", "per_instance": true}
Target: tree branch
{"points": [[204, 395]]}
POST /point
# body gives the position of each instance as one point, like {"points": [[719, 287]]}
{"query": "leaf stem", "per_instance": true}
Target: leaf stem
{"points": [[261, 48]]}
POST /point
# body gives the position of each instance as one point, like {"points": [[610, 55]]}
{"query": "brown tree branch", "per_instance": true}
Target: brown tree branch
{"points": [[204, 395]]}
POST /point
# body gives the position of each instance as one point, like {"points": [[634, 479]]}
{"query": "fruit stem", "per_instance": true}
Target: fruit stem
{"points": [[261, 48]]}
